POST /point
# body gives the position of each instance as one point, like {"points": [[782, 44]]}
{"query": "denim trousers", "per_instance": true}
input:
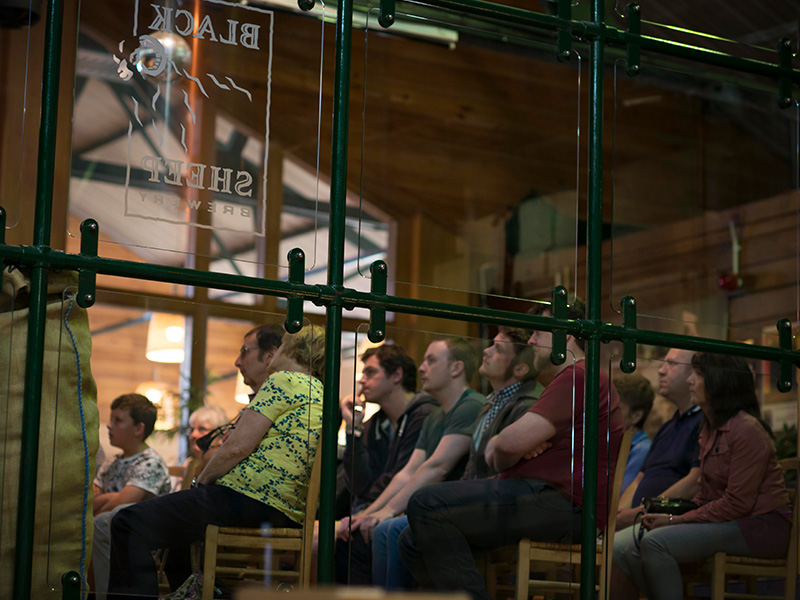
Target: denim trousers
{"points": [[654, 566], [388, 569], [175, 521]]}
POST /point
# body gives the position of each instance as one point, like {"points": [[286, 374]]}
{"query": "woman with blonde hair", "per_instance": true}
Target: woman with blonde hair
{"points": [[259, 475]]}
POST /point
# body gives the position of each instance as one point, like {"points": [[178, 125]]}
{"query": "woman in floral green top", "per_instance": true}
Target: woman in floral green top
{"points": [[259, 475]]}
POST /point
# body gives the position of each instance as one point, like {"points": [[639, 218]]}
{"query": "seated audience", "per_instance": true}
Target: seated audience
{"points": [[259, 475], [635, 399], [538, 492], [440, 454], [743, 504], [137, 473], [508, 367]]}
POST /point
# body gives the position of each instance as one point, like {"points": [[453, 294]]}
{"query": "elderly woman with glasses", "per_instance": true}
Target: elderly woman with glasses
{"points": [[259, 475]]}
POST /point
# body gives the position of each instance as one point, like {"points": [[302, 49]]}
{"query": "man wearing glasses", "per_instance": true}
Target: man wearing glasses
{"points": [[258, 348]]}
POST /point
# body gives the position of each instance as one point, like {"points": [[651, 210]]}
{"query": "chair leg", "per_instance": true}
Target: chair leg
{"points": [[791, 584], [210, 562], [718, 576], [523, 569]]}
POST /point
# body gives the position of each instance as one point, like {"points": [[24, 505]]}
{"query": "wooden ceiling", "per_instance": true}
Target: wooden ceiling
{"points": [[461, 133]]}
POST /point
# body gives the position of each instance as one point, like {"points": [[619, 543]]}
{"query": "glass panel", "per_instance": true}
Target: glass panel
{"points": [[712, 393], [67, 430], [469, 140], [20, 87], [196, 134], [190, 398], [12, 360], [710, 249], [478, 507]]}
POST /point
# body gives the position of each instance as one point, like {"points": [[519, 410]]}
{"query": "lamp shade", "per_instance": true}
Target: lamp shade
{"points": [[165, 335]]}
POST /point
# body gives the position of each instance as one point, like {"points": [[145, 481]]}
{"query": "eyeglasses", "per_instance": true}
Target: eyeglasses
{"points": [[244, 350]]}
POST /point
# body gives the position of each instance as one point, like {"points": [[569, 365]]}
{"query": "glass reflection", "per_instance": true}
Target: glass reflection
{"points": [[472, 148], [700, 250]]}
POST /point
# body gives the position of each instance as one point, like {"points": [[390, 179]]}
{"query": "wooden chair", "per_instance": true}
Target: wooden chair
{"points": [[238, 552], [723, 567], [530, 553]]}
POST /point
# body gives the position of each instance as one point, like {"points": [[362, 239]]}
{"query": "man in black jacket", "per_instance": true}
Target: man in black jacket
{"points": [[379, 447]]}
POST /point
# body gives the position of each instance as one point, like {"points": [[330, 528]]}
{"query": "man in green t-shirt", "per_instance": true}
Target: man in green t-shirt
{"points": [[440, 454]]}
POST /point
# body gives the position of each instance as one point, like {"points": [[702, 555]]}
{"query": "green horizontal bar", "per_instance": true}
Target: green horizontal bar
{"points": [[325, 294], [32, 256], [611, 35]]}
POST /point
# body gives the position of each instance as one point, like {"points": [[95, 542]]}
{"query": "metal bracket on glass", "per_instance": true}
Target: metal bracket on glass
{"points": [[633, 15], [294, 306], [71, 585], [377, 316], [785, 81], [558, 306], [786, 366], [87, 278], [628, 362], [564, 39], [386, 14]]}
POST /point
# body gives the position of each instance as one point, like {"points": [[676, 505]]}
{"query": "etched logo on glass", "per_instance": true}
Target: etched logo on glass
{"points": [[214, 60]]}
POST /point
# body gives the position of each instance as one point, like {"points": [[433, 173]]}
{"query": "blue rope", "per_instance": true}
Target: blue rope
{"points": [[85, 506]]}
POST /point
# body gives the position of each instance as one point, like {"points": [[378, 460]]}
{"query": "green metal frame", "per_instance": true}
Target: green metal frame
{"points": [[39, 257]]}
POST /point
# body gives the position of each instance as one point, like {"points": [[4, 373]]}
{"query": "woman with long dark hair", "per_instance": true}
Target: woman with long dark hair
{"points": [[743, 504]]}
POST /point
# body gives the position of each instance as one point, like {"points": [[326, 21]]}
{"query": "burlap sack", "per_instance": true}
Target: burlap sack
{"points": [[68, 436]]}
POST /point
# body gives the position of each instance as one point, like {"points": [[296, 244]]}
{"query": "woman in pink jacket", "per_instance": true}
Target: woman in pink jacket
{"points": [[743, 504]]}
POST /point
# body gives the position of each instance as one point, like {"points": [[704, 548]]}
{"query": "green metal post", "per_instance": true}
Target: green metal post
{"points": [[333, 343], [594, 270], [32, 397]]}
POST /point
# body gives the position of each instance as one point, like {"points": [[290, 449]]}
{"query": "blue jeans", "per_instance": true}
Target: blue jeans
{"points": [[654, 565], [388, 570]]}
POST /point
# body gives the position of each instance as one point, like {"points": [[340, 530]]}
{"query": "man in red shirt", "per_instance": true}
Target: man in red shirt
{"points": [[538, 493]]}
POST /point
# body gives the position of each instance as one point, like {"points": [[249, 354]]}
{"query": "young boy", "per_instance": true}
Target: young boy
{"points": [[138, 473]]}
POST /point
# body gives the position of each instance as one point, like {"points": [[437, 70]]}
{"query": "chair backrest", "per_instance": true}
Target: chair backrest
{"points": [[619, 475], [312, 500]]}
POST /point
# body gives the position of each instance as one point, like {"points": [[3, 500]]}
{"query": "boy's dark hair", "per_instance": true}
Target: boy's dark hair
{"points": [[269, 336], [635, 391], [391, 358], [460, 349], [140, 409]]}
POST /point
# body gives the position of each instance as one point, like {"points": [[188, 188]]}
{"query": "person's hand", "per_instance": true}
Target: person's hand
{"points": [[627, 517], [534, 452], [352, 411], [655, 520], [343, 531], [368, 523]]}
